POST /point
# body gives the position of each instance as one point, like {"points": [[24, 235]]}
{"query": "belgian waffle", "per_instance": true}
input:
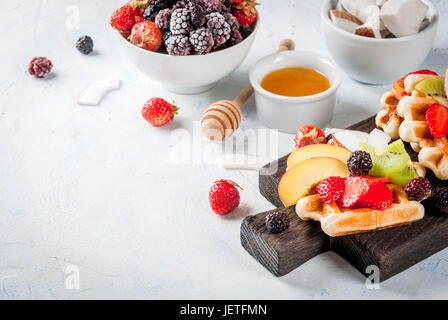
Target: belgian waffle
{"points": [[388, 118]]}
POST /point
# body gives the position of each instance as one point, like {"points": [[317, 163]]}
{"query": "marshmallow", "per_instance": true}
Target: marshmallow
{"points": [[93, 95], [403, 17], [359, 8], [344, 20]]}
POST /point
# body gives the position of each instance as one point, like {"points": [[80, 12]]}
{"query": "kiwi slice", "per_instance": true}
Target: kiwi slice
{"points": [[386, 163], [405, 176], [398, 147], [433, 87]]}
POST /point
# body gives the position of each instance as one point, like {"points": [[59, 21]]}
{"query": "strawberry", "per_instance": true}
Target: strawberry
{"points": [[378, 197], [237, 1], [377, 180], [355, 189], [224, 197], [158, 111], [331, 189], [244, 11], [123, 19], [139, 7], [398, 86], [437, 120], [309, 135], [147, 35]]}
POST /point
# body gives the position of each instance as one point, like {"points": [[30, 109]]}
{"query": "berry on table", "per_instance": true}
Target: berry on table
{"points": [[309, 135], [277, 222], [178, 45], [245, 12], [439, 200], [180, 21], [331, 189], [40, 67], [219, 27], [202, 40], [359, 163], [224, 197], [123, 19], [85, 45], [147, 35], [437, 120], [163, 19], [418, 189], [158, 111]]}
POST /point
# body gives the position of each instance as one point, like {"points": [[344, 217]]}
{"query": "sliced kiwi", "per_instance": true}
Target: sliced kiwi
{"points": [[405, 176], [398, 147], [386, 163], [433, 87]]}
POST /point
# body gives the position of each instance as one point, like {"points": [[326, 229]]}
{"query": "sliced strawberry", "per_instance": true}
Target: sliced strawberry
{"points": [[379, 197], [437, 120], [355, 189], [330, 189], [378, 180]]}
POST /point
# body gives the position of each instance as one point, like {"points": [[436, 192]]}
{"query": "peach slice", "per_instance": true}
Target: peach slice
{"points": [[298, 182], [318, 150]]}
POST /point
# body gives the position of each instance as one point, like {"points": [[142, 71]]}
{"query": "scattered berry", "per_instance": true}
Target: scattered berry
{"points": [[331, 189], [309, 135], [178, 45], [355, 189], [418, 189], [359, 163], [123, 19], [202, 40], [437, 120], [163, 19], [224, 197], [180, 21], [439, 200], [40, 67], [85, 45], [220, 28], [158, 111], [198, 15], [146, 35], [378, 197], [277, 222], [245, 12]]}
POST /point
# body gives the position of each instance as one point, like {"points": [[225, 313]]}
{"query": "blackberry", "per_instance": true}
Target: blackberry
{"points": [[359, 163], [439, 200], [235, 38], [212, 5], [245, 31], [277, 222], [418, 189], [163, 19], [198, 15], [84, 45], [180, 21], [40, 67], [180, 5], [233, 22], [178, 45], [202, 40], [166, 35], [153, 9], [226, 5], [220, 28]]}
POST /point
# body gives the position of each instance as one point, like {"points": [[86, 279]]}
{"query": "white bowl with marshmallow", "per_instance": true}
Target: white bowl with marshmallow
{"points": [[379, 41]]}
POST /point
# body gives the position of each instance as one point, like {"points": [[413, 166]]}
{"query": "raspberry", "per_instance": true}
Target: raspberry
{"points": [[277, 222], [418, 189], [331, 189], [212, 5], [359, 163], [439, 200], [198, 15], [40, 67], [235, 38], [202, 40], [153, 9], [178, 45], [180, 21], [84, 45], [220, 28], [163, 19]]}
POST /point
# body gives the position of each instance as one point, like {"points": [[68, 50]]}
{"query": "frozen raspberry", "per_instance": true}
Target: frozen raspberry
{"points": [[180, 21], [202, 40], [163, 19], [220, 28], [153, 9], [230, 18], [85, 45], [178, 45], [40, 67], [245, 31], [198, 15], [359, 163], [212, 5], [418, 189], [439, 200], [235, 38], [277, 222]]}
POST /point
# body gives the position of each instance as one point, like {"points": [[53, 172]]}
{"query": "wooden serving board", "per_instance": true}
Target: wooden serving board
{"points": [[391, 250]]}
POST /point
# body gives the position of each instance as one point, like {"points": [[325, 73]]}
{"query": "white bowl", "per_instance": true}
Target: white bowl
{"points": [[189, 74], [376, 61], [288, 114]]}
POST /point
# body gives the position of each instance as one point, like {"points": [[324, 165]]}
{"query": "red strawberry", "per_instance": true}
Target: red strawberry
{"points": [[309, 135], [379, 197], [437, 120], [139, 6], [237, 1], [244, 11], [398, 86], [224, 197], [331, 189], [355, 189], [158, 111], [377, 180], [123, 19], [147, 35]]}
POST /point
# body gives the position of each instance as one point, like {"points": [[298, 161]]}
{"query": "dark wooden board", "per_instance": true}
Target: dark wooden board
{"points": [[391, 250]]}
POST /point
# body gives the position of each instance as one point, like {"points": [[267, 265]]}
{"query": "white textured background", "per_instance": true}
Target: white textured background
{"points": [[94, 187]]}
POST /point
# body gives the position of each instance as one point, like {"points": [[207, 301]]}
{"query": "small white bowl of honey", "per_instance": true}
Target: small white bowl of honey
{"points": [[295, 88]]}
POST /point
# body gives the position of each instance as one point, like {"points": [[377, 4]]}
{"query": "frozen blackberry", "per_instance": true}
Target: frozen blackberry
{"points": [[180, 5], [180, 21], [40, 67], [226, 5], [439, 200], [418, 189], [235, 38], [198, 15], [163, 19], [233, 22], [245, 31], [153, 9], [212, 5], [202, 40], [277, 222], [359, 163], [84, 45], [166, 35], [178, 45], [220, 28]]}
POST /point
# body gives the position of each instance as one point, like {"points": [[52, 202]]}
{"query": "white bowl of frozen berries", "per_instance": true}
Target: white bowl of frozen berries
{"points": [[187, 45]]}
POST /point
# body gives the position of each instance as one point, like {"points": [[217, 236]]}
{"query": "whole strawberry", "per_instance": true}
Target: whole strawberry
{"points": [[158, 111], [437, 120], [309, 135], [123, 19], [147, 35], [139, 6], [244, 11], [224, 197]]}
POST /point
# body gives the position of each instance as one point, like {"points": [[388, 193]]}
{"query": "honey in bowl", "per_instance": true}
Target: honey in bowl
{"points": [[295, 82]]}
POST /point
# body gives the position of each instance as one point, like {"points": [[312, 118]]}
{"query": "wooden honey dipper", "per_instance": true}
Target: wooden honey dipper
{"points": [[222, 118]]}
